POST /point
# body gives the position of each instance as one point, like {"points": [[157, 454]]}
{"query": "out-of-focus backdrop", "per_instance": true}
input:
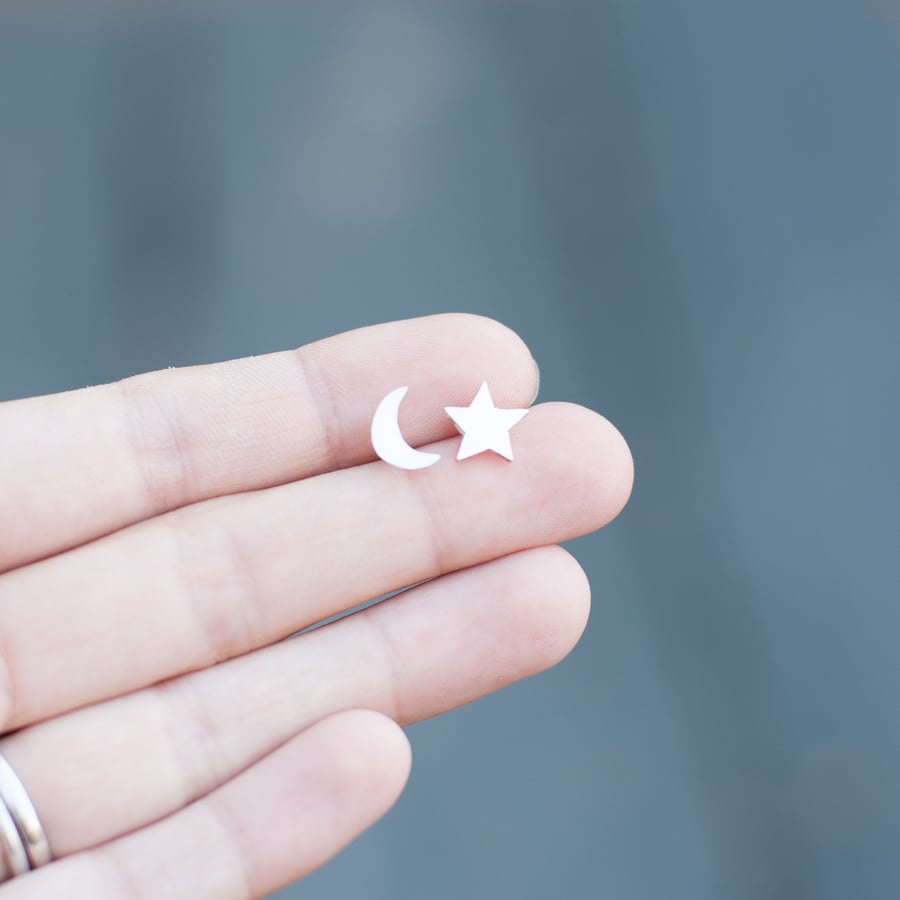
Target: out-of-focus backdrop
{"points": [[691, 211]]}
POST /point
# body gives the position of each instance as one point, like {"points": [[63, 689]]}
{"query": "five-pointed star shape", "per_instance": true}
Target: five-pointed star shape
{"points": [[483, 426]]}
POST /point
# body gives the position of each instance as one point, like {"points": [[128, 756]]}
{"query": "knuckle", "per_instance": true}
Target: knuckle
{"points": [[157, 443]]}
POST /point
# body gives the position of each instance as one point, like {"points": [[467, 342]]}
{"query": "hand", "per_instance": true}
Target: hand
{"points": [[160, 536]]}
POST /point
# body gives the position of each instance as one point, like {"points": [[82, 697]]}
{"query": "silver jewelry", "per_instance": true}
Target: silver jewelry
{"points": [[387, 440], [14, 800], [15, 859], [483, 427]]}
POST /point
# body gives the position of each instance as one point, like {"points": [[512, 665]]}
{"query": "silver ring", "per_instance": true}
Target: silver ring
{"points": [[15, 859], [24, 816]]}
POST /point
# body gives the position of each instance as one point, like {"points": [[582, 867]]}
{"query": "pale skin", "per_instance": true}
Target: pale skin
{"points": [[162, 535]]}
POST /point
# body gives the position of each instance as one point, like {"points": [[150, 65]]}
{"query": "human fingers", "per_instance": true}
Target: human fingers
{"points": [[78, 465], [217, 579], [272, 824], [107, 769]]}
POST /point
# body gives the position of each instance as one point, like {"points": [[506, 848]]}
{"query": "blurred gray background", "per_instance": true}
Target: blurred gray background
{"points": [[691, 211]]}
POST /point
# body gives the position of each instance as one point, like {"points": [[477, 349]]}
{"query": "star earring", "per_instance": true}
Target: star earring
{"points": [[483, 426]]}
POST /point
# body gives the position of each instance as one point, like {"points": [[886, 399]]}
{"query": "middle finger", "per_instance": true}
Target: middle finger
{"points": [[219, 578]]}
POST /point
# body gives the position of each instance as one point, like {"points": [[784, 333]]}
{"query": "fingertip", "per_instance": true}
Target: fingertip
{"points": [[551, 605], [572, 604], [505, 358], [620, 470], [370, 751], [582, 456]]}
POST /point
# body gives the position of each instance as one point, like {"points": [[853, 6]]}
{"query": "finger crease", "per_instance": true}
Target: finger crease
{"points": [[192, 739], [392, 664], [222, 598], [111, 859], [232, 831], [158, 443], [436, 522], [320, 388]]}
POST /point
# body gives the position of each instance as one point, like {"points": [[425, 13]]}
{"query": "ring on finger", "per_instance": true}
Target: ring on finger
{"points": [[22, 838]]}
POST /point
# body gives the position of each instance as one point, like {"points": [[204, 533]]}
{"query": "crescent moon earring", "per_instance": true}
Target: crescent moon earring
{"points": [[388, 440]]}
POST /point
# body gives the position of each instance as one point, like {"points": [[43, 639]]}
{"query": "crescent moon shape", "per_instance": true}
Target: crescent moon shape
{"points": [[387, 439]]}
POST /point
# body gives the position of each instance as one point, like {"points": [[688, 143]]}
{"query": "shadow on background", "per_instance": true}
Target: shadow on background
{"points": [[691, 213]]}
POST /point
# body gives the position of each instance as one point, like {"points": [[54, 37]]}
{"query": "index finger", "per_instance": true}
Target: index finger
{"points": [[78, 465]]}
